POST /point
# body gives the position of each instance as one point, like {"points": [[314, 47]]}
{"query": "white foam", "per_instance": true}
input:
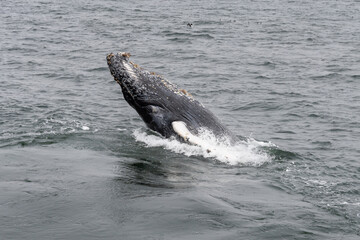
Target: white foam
{"points": [[243, 153]]}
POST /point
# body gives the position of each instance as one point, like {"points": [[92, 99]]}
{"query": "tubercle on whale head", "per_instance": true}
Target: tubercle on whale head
{"points": [[125, 55]]}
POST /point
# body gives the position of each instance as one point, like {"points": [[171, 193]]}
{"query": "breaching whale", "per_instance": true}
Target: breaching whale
{"points": [[163, 107]]}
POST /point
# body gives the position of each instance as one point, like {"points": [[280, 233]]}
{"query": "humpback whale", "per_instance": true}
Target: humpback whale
{"points": [[163, 106]]}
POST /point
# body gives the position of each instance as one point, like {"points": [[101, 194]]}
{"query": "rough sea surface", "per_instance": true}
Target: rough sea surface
{"points": [[77, 162]]}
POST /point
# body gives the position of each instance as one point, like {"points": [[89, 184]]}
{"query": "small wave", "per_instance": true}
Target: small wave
{"points": [[332, 75], [247, 152], [186, 35], [45, 131]]}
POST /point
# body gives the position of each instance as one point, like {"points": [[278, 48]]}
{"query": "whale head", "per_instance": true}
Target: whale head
{"points": [[148, 93]]}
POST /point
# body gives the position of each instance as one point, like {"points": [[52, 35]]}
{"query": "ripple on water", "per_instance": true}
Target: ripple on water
{"points": [[285, 71]]}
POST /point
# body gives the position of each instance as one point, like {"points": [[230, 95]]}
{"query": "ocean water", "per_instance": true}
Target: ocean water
{"points": [[77, 162]]}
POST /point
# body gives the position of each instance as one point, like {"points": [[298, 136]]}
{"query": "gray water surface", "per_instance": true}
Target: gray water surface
{"points": [[76, 161]]}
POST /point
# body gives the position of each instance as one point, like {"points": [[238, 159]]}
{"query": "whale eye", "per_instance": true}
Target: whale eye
{"points": [[153, 109]]}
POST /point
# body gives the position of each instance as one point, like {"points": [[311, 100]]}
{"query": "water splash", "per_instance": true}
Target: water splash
{"points": [[247, 152]]}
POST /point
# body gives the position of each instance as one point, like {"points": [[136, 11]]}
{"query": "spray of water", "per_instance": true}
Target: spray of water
{"points": [[247, 152]]}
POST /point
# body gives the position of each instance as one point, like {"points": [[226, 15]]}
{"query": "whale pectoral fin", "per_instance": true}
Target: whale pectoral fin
{"points": [[181, 129]]}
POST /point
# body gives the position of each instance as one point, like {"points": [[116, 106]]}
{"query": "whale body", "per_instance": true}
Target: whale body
{"points": [[163, 107]]}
